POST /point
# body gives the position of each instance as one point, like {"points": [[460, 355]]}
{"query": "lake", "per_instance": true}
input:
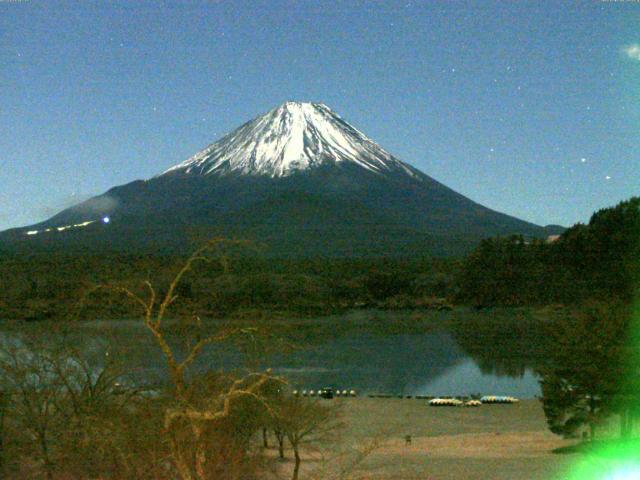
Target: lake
{"points": [[369, 351]]}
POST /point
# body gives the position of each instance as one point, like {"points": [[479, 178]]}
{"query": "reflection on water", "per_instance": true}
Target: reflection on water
{"points": [[439, 361], [368, 362], [467, 377], [431, 363]]}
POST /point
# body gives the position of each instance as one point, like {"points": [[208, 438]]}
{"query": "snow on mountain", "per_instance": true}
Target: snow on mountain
{"points": [[292, 137]]}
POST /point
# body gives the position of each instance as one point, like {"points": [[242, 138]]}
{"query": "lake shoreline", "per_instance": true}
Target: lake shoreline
{"points": [[500, 442]]}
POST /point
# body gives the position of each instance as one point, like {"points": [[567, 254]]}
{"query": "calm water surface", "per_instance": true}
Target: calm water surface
{"points": [[425, 363], [430, 363]]}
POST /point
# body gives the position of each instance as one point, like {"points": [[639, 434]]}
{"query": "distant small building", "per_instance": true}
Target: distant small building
{"points": [[553, 238]]}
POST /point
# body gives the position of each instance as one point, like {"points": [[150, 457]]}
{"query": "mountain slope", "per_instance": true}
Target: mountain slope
{"points": [[298, 178]]}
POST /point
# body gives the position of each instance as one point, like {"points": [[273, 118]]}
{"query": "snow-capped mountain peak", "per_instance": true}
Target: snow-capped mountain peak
{"points": [[292, 137]]}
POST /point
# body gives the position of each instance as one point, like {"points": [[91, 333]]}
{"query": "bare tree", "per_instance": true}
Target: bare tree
{"points": [[304, 421], [60, 403], [347, 460], [190, 454], [33, 389]]}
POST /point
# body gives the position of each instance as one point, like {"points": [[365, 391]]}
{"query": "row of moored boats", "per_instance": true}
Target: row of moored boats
{"points": [[489, 399]]}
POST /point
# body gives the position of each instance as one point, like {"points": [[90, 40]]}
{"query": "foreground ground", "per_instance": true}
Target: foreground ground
{"points": [[490, 442]]}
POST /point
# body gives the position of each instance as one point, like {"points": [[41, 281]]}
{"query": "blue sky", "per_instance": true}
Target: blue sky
{"points": [[530, 108]]}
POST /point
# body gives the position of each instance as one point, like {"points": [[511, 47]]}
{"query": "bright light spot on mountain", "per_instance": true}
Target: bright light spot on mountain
{"points": [[32, 232], [83, 224], [106, 220]]}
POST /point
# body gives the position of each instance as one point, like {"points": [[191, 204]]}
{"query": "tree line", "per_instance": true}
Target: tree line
{"points": [[50, 287], [596, 261]]}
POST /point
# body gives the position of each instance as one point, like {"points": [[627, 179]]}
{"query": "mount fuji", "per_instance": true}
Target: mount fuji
{"points": [[299, 179]]}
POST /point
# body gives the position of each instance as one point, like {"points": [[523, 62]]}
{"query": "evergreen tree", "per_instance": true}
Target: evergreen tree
{"points": [[597, 261], [586, 376]]}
